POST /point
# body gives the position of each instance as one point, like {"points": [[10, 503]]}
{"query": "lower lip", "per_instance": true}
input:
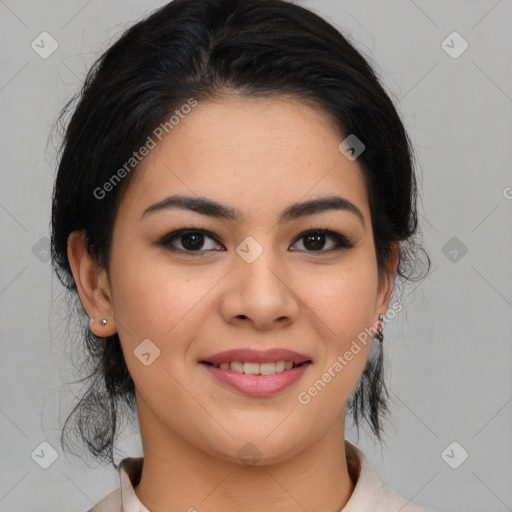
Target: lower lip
{"points": [[258, 385]]}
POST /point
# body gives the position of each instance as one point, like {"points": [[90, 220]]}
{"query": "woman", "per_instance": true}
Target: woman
{"points": [[234, 203]]}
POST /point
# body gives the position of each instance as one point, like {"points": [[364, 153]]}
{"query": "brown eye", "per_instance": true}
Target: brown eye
{"points": [[190, 241], [315, 241]]}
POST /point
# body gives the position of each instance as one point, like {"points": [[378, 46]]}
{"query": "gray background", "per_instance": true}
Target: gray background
{"points": [[449, 351]]}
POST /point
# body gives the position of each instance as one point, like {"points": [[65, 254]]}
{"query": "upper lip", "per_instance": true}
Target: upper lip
{"points": [[257, 356]]}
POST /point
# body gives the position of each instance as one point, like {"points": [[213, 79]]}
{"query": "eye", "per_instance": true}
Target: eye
{"points": [[314, 240], [191, 240]]}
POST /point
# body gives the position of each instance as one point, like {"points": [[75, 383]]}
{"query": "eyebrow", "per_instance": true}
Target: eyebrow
{"points": [[212, 208]]}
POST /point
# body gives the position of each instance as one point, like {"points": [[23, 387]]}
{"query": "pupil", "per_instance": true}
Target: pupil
{"points": [[196, 238], [318, 240]]}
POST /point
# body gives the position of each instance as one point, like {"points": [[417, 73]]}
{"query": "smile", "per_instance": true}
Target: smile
{"points": [[255, 372], [250, 368]]}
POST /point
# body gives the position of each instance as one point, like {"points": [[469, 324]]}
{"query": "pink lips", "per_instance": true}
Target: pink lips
{"points": [[257, 385]]}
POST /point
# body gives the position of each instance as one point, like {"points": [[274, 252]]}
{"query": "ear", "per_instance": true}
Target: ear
{"points": [[385, 289], [92, 284]]}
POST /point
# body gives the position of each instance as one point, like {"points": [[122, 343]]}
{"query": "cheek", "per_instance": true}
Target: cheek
{"points": [[343, 307], [153, 299], [344, 299]]}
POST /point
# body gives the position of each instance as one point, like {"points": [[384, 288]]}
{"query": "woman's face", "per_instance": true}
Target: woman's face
{"points": [[254, 281]]}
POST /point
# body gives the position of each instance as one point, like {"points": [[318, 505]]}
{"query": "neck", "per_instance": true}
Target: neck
{"points": [[179, 476]]}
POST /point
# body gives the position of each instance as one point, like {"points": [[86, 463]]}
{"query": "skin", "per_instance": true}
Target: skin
{"points": [[259, 156]]}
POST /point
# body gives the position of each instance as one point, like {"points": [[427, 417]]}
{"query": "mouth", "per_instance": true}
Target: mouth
{"points": [[256, 372]]}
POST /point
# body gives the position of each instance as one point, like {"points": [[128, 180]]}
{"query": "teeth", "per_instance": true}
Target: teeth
{"points": [[266, 368], [256, 368], [237, 366], [280, 366], [251, 368]]}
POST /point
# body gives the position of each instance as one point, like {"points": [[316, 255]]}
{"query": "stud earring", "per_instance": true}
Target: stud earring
{"points": [[380, 328], [102, 322]]}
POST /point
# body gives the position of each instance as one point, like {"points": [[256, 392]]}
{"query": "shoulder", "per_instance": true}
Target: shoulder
{"points": [[370, 494], [110, 503], [124, 499], [393, 502]]}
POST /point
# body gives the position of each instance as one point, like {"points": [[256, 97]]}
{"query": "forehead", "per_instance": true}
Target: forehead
{"points": [[252, 153]]}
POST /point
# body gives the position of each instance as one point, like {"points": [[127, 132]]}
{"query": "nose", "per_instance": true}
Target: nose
{"points": [[260, 293]]}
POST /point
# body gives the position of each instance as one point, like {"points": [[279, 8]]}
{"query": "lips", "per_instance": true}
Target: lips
{"points": [[256, 372]]}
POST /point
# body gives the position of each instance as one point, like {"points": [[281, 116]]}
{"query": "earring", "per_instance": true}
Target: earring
{"points": [[380, 328], [102, 322]]}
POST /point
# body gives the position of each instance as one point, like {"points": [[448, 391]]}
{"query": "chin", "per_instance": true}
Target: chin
{"points": [[258, 449]]}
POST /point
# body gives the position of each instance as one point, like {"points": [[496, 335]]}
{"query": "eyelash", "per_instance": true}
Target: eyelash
{"points": [[341, 241]]}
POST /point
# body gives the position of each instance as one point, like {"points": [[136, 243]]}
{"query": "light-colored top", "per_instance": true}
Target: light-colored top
{"points": [[370, 494]]}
